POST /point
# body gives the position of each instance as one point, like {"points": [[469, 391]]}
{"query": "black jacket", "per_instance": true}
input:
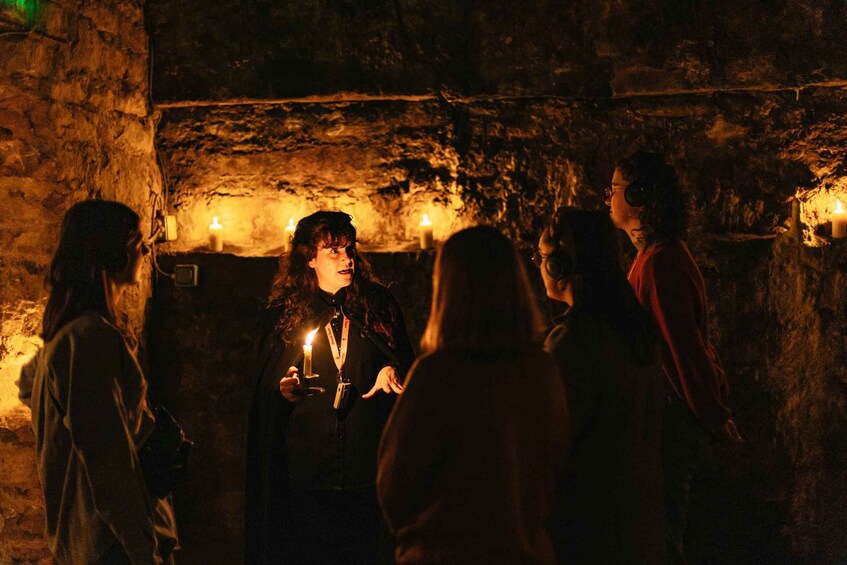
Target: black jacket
{"points": [[609, 506], [308, 444]]}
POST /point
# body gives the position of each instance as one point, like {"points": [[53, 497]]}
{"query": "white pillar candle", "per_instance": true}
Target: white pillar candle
{"points": [[839, 221], [288, 238], [216, 236], [425, 233], [307, 353]]}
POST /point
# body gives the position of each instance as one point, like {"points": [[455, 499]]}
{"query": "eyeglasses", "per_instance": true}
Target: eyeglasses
{"points": [[609, 191], [538, 259]]}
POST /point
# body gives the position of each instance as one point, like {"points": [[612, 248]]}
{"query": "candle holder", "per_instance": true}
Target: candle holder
{"points": [[306, 389]]}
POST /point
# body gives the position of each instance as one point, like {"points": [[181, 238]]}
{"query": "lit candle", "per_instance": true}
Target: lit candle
{"points": [[216, 236], [307, 353], [288, 239], [839, 221], [425, 233]]}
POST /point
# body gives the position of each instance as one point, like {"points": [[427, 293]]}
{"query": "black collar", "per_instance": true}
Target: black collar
{"points": [[326, 297]]}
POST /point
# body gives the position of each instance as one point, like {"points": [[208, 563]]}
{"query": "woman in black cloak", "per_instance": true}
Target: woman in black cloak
{"points": [[311, 456]]}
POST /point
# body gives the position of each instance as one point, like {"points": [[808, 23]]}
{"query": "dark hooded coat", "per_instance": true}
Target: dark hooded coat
{"points": [[308, 445]]}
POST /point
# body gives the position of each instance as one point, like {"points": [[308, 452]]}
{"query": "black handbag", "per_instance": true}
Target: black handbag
{"points": [[164, 456]]}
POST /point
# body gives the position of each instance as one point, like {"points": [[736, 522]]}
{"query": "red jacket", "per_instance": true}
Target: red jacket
{"points": [[669, 285]]}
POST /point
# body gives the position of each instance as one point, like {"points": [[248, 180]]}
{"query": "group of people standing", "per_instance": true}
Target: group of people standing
{"points": [[508, 440]]}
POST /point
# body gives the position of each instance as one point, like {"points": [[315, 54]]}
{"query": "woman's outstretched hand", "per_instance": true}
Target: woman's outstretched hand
{"points": [[386, 381], [289, 385]]}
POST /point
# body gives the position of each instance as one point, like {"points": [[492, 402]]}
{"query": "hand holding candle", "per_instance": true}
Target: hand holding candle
{"points": [[288, 238], [289, 385], [425, 233], [307, 354], [839, 221], [216, 236]]}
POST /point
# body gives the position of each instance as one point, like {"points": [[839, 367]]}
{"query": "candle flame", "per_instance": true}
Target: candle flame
{"points": [[291, 224], [311, 336], [838, 208], [425, 221], [215, 223]]}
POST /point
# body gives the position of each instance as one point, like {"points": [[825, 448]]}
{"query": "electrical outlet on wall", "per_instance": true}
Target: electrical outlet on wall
{"points": [[186, 275]]}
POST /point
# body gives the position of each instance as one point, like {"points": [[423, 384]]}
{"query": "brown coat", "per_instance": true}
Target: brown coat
{"points": [[469, 460]]}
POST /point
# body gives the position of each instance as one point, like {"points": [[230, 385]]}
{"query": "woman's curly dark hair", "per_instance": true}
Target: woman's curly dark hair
{"points": [[663, 217], [296, 284]]}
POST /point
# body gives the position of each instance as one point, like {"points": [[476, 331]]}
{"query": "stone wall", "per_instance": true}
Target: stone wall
{"points": [[467, 111], [475, 116], [496, 112], [218, 50], [742, 158], [759, 170], [75, 123]]}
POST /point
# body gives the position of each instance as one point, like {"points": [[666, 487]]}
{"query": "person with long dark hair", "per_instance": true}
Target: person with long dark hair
{"points": [[609, 505], [646, 202], [89, 399], [311, 460], [469, 460]]}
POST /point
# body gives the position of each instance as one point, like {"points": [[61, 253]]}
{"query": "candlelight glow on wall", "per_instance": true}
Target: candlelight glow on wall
{"points": [[252, 226], [434, 222], [288, 235], [216, 236], [425, 232], [823, 215], [839, 221], [260, 226], [18, 343]]}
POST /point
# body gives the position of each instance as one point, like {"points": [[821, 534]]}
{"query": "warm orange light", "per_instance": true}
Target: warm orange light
{"points": [[216, 236], [307, 353], [311, 336], [839, 221], [425, 233], [288, 238], [20, 347]]}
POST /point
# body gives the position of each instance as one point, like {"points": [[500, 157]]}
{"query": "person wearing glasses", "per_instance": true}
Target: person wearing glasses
{"points": [[609, 501], [646, 202], [89, 399], [470, 457]]}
